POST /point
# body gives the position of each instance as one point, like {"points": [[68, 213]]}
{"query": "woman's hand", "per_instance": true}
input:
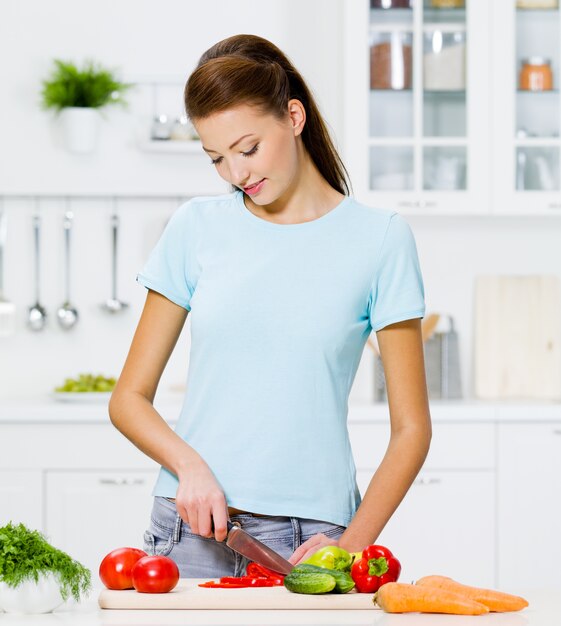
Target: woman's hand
{"points": [[201, 503], [311, 546]]}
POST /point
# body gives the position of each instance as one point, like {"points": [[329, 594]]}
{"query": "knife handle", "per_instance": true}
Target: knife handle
{"points": [[229, 525]]}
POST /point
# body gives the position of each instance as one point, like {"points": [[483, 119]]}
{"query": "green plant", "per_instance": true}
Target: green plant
{"points": [[25, 554], [92, 87]]}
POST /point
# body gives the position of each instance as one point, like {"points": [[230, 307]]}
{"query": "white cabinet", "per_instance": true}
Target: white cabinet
{"points": [[529, 505], [527, 109], [446, 523], [21, 497], [416, 101], [89, 513]]}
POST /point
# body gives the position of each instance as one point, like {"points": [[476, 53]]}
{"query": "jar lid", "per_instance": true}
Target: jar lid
{"points": [[536, 61]]}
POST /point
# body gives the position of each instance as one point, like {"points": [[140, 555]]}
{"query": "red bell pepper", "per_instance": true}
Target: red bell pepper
{"points": [[377, 567], [256, 576], [256, 570]]}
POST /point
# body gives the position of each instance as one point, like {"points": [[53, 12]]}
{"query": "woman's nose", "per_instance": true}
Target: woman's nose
{"points": [[239, 174]]}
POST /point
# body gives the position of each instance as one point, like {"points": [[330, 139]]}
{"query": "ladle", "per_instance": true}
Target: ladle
{"points": [[113, 304], [67, 315], [37, 315]]}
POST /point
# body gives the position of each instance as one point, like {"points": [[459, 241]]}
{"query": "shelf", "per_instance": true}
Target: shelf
{"points": [[444, 15], [534, 10], [538, 142], [450, 93], [408, 91], [427, 142], [170, 146], [538, 91]]}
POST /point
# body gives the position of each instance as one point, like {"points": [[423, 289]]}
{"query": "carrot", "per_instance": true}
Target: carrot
{"points": [[405, 598], [496, 601]]}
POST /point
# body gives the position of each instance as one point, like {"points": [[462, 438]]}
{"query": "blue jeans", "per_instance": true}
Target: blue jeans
{"points": [[201, 557]]}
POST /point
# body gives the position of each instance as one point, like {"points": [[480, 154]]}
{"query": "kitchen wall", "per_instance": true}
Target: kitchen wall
{"points": [[146, 39]]}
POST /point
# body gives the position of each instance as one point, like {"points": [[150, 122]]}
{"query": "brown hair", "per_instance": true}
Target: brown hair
{"points": [[246, 69]]}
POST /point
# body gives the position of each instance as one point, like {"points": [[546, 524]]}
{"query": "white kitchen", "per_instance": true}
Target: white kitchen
{"points": [[447, 112]]}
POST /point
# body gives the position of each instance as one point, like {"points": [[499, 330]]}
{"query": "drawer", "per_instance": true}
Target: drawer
{"points": [[453, 446]]}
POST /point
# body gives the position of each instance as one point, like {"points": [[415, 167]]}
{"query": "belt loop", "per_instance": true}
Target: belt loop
{"points": [[177, 529], [296, 533]]}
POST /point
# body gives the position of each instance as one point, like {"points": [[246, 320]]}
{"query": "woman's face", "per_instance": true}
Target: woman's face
{"points": [[254, 151]]}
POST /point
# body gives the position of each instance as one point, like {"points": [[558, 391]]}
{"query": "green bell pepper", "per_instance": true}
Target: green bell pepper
{"points": [[331, 557]]}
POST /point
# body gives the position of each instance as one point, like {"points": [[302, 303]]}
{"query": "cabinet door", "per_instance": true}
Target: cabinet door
{"points": [[416, 102], [527, 107], [445, 525], [90, 513], [529, 505], [21, 498]]}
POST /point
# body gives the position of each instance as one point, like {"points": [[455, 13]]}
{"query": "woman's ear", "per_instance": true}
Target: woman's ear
{"points": [[297, 115]]}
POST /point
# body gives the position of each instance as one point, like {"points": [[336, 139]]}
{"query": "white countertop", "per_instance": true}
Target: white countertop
{"points": [[544, 610], [46, 409]]}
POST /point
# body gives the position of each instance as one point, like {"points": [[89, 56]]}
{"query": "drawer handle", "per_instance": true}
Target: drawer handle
{"points": [[417, 204], [427, 481], [554, 205], [121, 482], [557, 431]]}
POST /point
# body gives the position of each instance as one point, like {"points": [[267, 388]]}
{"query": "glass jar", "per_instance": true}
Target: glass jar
{"points": [[391, 60], [447, 4], [391, 4], [161, 128], [181, 129], [537, 4], [444, 61], [536, 74]]}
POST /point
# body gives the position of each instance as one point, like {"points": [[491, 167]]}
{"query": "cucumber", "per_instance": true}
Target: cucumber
{"points": [[343, 581], [309, 582]]}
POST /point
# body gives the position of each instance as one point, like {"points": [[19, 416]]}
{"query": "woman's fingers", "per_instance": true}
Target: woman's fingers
{"points": [[312, 545], [220, 517]]}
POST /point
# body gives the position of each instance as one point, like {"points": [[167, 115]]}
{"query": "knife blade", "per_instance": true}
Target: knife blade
{"points": [[246, 545]]}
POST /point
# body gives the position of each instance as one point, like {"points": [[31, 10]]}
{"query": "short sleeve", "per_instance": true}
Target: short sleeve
{"points": [[169, 269], [397, 291]]}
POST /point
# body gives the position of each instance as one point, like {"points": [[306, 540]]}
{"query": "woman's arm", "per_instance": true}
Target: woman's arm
{"points": [[401, 349], [133, 414]]}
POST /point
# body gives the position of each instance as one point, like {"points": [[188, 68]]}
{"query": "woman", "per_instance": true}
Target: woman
{"points": [[285, 279]]}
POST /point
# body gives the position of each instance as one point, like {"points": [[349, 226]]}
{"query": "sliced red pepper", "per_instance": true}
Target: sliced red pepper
{"points": [[213, 584], [236, 582], [255, 570], [256, 576]]}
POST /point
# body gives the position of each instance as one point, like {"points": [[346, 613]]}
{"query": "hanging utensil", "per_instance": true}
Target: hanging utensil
{"points": [[67, 315], [113, 304], [37, 315], [7, 308]]}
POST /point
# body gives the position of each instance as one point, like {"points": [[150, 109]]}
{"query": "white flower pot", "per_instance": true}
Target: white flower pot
{"points": [[80, 128], [42, 596]]}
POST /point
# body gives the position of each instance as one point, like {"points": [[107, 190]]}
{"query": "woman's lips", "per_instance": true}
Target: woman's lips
{"points": [[253, 189]]}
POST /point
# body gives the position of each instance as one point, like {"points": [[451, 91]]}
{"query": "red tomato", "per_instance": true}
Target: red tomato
{"points": [[115, 570], [155, 574]]}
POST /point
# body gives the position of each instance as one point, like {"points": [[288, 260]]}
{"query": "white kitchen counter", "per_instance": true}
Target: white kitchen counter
{"points": [[544, 610], [50, 411]]}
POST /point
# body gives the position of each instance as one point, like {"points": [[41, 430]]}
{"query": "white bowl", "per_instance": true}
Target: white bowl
{"points": [[42, 596]]}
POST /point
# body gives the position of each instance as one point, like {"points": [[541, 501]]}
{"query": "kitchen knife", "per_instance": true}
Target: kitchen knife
{"points": [[246, 545]]}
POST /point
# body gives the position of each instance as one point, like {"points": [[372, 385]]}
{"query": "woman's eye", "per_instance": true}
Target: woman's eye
{"points": [[252, 151], [216, 161]]}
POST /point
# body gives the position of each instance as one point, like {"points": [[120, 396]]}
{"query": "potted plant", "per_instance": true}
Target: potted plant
{"points": [[35, 577], [77, 94]]}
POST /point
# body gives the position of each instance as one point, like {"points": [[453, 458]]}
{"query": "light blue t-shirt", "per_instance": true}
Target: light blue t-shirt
{"points": [[280, 314]]}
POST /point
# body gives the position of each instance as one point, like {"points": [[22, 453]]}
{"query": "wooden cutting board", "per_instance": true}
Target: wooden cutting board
{"points": [[518, 337], [188, 595]]}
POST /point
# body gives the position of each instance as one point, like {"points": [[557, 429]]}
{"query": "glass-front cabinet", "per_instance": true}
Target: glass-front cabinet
{"points": [[527, 106], [417, 101]]}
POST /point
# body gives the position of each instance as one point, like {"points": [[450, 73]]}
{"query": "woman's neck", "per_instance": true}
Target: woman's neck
{"points": [[310, 197]]}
